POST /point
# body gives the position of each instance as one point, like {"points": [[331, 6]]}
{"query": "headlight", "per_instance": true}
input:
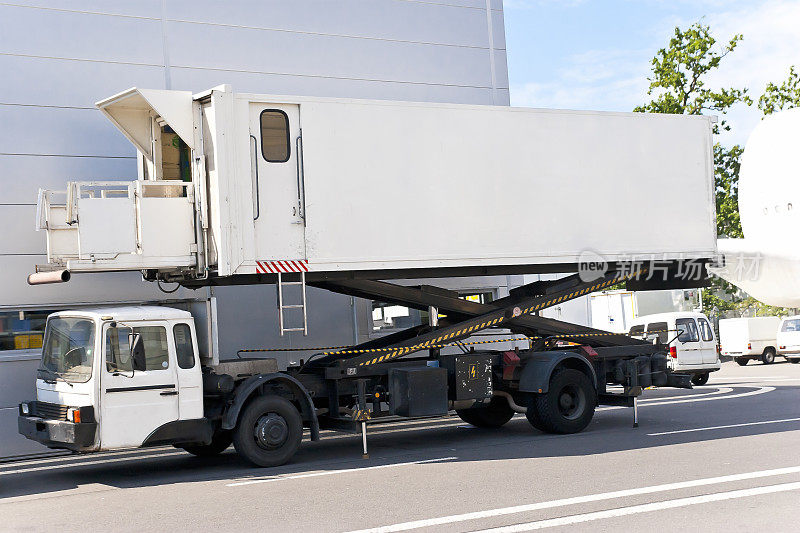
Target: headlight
{"points": [[25, 408]]}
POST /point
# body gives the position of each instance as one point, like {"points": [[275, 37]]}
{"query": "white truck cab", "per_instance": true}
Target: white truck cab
{"points": [[693, 347], [789, 339], [134, 368]]}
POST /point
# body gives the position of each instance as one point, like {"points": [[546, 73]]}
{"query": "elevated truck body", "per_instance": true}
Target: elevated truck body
{"points": [[343, 195], [258, 184]]}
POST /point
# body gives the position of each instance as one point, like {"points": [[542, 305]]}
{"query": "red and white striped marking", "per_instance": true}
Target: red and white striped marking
{"points": [[288, 265]]}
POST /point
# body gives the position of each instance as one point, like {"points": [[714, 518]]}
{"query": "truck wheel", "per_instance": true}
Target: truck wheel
{"points": [[742, 361], [568, 405], [768, 357], [219, 443], [492, 416], [794, 361], [269, 431], [700, 379]]}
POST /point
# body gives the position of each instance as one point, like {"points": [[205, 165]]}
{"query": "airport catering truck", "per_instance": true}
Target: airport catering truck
{"points": [[348, 195]]}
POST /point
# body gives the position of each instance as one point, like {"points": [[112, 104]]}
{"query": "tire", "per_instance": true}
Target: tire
{"points": [[768, 357], [568, 405], [794, 361], [533, 416], [219, 443], [741, 361], [700, 379], [494, 415], [269, 431]]}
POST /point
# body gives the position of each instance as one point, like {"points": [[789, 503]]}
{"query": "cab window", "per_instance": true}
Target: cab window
{"points": [[687, 330], [183, 345], [705, 330], [154, 343]]}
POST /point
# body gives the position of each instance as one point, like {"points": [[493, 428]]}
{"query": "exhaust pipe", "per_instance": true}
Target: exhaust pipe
{"points": [[54, 276]]}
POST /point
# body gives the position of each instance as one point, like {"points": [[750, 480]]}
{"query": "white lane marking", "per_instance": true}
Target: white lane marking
{"points": [[416, 524], [760, 390], [720, 390], [83, 463], [332, 472], [644, 508], [724, 427]]}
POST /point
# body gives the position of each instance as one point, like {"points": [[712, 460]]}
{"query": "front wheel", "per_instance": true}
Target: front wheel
{"points": [[794, 361], [700, 379], [494, 415], [567, 406], [742, 361], [768, 357], [219, 443], [269, 431]]}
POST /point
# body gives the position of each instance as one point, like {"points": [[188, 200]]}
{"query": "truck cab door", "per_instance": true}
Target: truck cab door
{"points": [[190, 379], [278, 185], [135, 402]]}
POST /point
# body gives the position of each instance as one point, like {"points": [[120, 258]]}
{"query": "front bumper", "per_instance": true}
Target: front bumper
{"points": [[59, 433]]}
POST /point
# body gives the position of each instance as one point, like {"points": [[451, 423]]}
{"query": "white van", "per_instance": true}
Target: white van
{"points": [[789, 339], [692, 344]]}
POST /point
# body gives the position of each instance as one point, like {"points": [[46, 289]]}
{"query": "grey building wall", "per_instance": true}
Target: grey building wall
{"points": [[57, 57]]}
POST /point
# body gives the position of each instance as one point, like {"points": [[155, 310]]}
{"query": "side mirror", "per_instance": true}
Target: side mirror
{"points": [[138, 361]]}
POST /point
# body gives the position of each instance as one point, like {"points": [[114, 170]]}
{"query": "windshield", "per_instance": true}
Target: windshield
{"points": [[68, 349], [791, 325]]}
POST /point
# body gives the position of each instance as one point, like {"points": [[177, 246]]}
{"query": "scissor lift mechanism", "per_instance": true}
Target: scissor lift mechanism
{"points": [[351, 369]]}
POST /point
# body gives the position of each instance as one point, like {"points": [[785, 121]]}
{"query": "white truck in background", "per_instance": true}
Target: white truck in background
{"points": [[245, 189], [789, 339], [749, 338]]}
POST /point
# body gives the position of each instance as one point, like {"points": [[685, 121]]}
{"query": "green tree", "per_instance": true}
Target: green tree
{"points": [[679, 85], [783, 96]]}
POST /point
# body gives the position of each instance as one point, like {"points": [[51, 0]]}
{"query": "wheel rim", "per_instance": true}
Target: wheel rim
{"points": [[768, 357], [571, 402], [271, 431]]}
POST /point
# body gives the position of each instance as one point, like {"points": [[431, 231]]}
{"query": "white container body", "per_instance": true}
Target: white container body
{"points": [[382, 186]]}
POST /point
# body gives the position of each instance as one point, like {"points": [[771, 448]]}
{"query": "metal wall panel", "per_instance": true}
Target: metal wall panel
{"points": [[19, 236], [201, 79], [61, 82], [22, 176], [92, 288], [374, 19], [44, 32], [138, 8], [235, 48], [60, 131]]}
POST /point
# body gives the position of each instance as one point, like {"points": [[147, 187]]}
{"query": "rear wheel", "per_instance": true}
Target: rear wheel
{"points": [[742, 361], [219, 443], [494, 415], [768, 357], [568, 405], [700, 379], [269, 431]]}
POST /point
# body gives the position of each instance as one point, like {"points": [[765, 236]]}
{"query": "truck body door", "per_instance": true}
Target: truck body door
{"points": [[134, 402], [277, 182]]}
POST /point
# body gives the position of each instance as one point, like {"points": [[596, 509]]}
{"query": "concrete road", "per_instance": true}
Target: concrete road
{"points": [[723, 457]]}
